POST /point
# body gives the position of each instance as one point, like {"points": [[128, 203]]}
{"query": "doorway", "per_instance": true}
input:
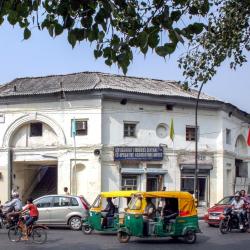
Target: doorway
{"points": [[154, 182], [34, 179], [187, 184]]}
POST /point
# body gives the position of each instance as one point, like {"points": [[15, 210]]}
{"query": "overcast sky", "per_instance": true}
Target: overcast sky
{"points": [[42, 55]]}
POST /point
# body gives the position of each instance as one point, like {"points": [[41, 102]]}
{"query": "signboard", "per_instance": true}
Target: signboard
{"points": [[138, 153], [190, 159]]}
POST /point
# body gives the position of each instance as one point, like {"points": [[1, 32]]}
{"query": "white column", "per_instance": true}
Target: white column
{"points": [[63, 173], [4, 180]]}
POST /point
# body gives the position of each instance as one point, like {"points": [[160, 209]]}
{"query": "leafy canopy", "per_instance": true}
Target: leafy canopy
{"points": [[227, 36], [119, 27]]}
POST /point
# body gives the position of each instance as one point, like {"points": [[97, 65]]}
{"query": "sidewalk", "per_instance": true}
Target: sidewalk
{"points": [[201, 212]]}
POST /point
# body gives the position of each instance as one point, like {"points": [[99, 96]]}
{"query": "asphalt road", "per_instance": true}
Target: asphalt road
{"points": [[62, 239]]}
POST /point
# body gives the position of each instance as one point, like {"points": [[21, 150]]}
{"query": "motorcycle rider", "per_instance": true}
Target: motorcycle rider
{"points": [[237, 205], [13, 207], [245, 199], [243, 194]]}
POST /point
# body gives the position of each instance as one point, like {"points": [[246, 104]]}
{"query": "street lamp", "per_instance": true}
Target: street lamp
{"points": [[196, 184]]}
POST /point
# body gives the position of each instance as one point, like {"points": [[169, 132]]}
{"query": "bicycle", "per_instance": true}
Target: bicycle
{"points": [[36, 232]]}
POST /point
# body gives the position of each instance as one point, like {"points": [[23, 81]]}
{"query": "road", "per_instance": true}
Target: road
{"points": [[63, 239]]}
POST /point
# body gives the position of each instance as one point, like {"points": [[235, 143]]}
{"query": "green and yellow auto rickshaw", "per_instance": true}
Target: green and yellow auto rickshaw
{"points": [[176, 217], [95, 220]]}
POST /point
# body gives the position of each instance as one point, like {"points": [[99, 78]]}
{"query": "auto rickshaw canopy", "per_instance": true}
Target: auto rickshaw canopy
{"points": [[186, 202], [114, 194], [97, 205]]}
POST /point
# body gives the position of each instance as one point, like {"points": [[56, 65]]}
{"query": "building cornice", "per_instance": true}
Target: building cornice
{"points": [[117, 95]]}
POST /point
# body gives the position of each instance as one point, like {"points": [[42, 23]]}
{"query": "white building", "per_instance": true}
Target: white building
{"points": [[122, 139]]}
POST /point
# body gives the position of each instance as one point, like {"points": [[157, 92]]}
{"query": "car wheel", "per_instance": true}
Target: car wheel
{"points": [[75, 223]]}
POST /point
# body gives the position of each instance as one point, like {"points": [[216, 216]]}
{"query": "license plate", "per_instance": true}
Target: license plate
{"points": [[211, 217]]}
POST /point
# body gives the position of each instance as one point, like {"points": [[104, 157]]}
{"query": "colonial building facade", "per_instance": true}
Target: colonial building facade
{"points": [[121, 137]]}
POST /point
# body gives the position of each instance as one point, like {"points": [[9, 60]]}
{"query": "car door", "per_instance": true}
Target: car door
{"points": [[44, 208], [60, 209]]}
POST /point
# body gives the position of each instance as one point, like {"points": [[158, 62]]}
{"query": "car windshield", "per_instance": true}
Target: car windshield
{"points": [[226, 201]]}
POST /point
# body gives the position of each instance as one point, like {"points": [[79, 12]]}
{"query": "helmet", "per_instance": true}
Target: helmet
{"points": [[15, 194]]}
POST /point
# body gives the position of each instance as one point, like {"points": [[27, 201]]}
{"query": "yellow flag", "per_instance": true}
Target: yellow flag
{"points": [[171, 132]]}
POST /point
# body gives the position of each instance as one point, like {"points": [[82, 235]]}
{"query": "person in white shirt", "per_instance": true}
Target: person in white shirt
{"points": [[237, 205]]}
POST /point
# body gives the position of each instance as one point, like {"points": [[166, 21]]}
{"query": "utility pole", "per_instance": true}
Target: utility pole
{"points": [[196, 183]]}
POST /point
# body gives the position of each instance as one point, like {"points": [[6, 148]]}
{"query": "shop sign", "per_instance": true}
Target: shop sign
{"points": [[138, 153], [190, 159]]}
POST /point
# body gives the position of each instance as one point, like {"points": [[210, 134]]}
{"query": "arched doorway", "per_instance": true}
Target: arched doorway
{"points": [[33, 145]]}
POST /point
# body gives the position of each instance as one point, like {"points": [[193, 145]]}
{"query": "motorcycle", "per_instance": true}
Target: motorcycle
{"points": [[3, 220], [230, 221], [4, 223]]}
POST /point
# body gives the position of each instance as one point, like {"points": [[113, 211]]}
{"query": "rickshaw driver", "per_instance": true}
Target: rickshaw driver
{"points": [[167, 213], [149, 215], [108, 212]]}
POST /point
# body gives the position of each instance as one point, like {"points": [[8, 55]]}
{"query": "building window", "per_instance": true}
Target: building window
{"points": [[129, 182], [36, 129], [190, 133], [129, 129], [228, 136], [81, 127], [241, 168]]}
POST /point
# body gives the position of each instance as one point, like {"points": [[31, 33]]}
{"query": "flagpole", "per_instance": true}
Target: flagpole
{"points": [[174, 170], [74, 168], [172, 138]]}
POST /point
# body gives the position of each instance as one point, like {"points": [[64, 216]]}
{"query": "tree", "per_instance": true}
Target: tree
{"points": [[119, 27], [227, 36]]}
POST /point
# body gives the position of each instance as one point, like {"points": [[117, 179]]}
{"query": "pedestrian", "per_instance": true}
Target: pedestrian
{"points": [[66, 191]]}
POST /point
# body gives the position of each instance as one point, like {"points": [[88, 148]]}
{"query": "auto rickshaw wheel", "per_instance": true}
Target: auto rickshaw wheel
{"points": [[87, 229], [190, 237], [123, 237]]}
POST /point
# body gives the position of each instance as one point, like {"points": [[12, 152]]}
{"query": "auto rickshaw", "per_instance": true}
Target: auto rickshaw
{"points": [[96, 215], [178, 217]]}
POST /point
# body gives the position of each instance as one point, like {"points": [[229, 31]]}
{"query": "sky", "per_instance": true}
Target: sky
{"points": [[42, 55]]}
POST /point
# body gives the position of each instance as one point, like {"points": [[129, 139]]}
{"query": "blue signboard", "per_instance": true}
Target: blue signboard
{"points": [[138, 153]]}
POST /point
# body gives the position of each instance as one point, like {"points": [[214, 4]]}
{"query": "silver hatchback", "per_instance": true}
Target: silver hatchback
{"points": [[62, 210]]}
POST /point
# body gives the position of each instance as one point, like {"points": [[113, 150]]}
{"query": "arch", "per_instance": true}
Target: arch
{"points": [[241, 146], [29, 118]]}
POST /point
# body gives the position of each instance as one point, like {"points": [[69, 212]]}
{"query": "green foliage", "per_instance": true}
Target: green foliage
{"points": [[227, 36], [117, 28], [26, 34]]}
